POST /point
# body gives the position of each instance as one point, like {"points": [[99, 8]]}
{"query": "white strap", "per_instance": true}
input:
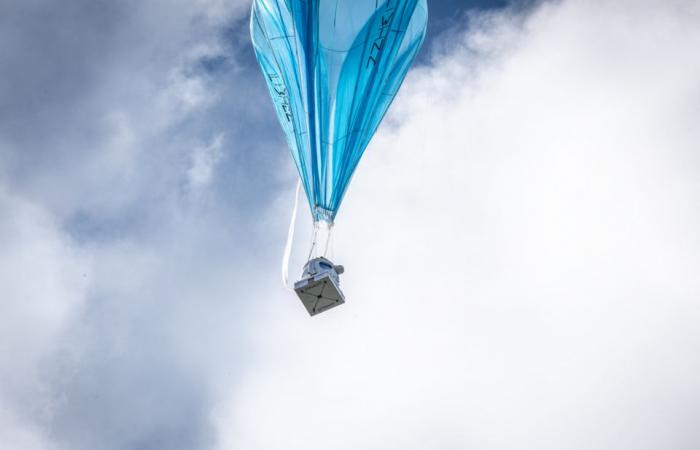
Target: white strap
{"points": [[290, 239]]}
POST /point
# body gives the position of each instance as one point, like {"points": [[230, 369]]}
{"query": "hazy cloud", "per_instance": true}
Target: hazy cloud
{"points": [[43, 280], [204, 160]]}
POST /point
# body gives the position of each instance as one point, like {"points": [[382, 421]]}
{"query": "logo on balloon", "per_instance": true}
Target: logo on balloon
{"points": [[282, 98], [378, 43]]}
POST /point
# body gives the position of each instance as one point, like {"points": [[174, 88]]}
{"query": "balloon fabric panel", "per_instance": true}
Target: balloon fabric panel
{"points": [[333, 68]]}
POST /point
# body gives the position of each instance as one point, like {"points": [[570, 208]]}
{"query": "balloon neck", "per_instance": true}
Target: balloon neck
{"points": [[323, 215], [321, 241]]}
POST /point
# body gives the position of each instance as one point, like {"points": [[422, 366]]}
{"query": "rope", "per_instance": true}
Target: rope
{"points": [[290, 239], [320, 239]]}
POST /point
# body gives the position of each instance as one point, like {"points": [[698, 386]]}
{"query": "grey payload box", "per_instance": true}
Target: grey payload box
{"points": [[319, 288]]}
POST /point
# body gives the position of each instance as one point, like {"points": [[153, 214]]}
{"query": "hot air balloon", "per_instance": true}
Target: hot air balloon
{"points": [[332, 68]]}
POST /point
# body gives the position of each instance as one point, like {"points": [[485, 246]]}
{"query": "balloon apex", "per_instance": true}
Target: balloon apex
{"points": [[319, 287]]}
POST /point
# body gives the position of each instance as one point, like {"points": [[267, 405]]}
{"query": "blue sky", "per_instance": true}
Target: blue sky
{"points": [[520, 238]]}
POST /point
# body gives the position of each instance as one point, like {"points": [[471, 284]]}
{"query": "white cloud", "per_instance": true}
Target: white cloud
{"points": [[18, 435], [184, 95], [43, 280], [521, 252], [204, 161]]}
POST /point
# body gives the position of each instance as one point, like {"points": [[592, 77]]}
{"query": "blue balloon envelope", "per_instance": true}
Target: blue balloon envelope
{"points": [[333, 67]]}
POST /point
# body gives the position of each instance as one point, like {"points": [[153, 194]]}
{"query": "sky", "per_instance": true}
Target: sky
{"points": [[520, 238]]}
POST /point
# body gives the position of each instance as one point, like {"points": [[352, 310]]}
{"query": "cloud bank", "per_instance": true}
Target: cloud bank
{"points": [[521, 250]]}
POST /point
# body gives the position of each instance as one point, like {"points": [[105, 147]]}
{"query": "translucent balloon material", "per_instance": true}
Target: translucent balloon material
{"points": [[333, 67]]}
